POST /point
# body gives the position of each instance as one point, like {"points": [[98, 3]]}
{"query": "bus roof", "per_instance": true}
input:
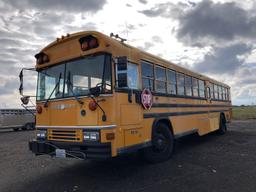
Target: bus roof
{"points": [[135, 54]]}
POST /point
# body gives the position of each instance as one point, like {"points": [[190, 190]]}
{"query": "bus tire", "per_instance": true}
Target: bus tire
{"points": [[162, 145], [223, 126]]}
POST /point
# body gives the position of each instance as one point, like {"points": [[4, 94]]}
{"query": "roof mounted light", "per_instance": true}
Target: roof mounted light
{"points": [[88, 42]]}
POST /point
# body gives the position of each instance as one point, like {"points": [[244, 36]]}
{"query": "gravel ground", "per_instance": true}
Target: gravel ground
{"points": [[209, 163]]}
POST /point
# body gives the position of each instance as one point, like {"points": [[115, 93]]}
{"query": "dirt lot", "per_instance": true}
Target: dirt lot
{"points": [[209, 163]]}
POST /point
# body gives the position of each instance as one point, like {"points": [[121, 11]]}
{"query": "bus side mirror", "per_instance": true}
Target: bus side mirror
{"points": [[21, 82], [25, 100], [121, 71], [25, 85]]}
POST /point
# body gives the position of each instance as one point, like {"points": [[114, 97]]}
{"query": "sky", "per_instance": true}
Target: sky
{"points": [[215, 38]]}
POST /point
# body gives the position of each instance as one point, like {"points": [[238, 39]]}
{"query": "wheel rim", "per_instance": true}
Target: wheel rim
{"points": [[160, 143]]}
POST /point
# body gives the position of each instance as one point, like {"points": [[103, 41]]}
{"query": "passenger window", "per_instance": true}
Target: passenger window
{"points": [[195, 87], [133, 76], [147, 72], [160, 79], [228, 94], [172, 83], [222, 93], [188, 85], [219, 92], [181, 84], [216, 96], [201, 89], [211, 90]]}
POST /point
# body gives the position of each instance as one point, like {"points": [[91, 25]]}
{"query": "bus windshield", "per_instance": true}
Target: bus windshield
{"points": [[75, 77]]}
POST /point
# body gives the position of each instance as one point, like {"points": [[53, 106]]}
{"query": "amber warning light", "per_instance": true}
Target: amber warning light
{"points": [[88, 42], [41, 58]]}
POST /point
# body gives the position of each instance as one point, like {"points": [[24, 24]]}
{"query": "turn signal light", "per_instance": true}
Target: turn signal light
{"points": [[39, 109], [92, 105], [93, 43], [110, 136]]}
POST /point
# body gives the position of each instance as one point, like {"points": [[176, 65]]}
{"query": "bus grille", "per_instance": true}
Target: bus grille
{"points": [[65, 135]]}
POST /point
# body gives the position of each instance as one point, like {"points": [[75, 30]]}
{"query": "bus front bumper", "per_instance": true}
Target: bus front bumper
{"points": [[92, 150]]}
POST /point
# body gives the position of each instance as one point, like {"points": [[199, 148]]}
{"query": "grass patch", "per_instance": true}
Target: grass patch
{"points": [[245, 112]]}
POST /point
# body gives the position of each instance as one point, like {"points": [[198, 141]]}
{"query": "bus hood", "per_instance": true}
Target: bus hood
{"points": [[67, 113]]}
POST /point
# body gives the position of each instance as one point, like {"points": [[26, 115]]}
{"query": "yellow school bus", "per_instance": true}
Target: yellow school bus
{"points": [[99, 98]]}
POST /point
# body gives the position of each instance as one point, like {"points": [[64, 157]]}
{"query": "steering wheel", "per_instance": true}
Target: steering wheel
{"points": [[103, 85], [100, 84]]}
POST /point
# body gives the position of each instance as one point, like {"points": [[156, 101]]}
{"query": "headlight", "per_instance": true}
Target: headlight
{"points": [[91, 136], [41, 134]]}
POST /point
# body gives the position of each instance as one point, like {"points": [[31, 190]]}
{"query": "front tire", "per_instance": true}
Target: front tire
{"points": [[162, 145]]}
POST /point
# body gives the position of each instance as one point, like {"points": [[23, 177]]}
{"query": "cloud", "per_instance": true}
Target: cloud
{"points": [[8, 86], [166, 10], [57, 5], [157, 39], [212, 23], [223, 59], [27, 26], [147, 46], [143, 1]]}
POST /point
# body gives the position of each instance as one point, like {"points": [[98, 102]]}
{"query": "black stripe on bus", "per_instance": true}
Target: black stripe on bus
{"points": [[126, 90], [162, 105], [170, 114]]}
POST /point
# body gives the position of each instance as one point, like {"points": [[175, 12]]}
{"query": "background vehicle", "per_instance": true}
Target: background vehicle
{"points": [[16, 119], [98, 97]]}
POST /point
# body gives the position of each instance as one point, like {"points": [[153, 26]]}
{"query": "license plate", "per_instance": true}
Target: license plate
{"points": [[61, 153]]}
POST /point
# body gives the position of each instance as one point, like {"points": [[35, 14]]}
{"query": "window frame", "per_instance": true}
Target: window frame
{"points": [[158, 80], [193, 88], [191, 85], [201, 89], [177, 74], [171, 83], [146, 77]]}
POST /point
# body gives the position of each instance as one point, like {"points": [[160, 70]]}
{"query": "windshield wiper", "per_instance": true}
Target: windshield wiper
{"points": [[57, 84], [70, 87]]}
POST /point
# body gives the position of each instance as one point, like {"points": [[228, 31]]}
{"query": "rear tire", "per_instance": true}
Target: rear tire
{"points": [[162, 145], [223, 126]]}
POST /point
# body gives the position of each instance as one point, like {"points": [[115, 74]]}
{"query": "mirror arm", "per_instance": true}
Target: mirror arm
{"points": [[28, 110], [104, 117]]}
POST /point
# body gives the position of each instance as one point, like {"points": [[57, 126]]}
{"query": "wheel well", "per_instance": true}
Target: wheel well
{"points": [[164, 121]]}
